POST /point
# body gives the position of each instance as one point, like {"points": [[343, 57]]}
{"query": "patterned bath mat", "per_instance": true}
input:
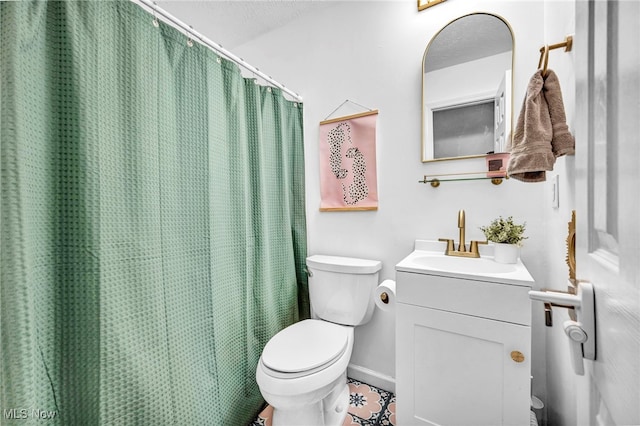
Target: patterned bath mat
{"points": [[368, 406]]}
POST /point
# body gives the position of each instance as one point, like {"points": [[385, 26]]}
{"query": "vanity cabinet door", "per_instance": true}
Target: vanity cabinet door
{"points": [[456, 369]]}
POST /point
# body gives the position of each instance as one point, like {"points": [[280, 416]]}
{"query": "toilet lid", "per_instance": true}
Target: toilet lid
{"points": [[304, 346]]}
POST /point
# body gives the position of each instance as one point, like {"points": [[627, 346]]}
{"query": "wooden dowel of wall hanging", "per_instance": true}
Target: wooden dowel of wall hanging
{"points": [[349, 117]]}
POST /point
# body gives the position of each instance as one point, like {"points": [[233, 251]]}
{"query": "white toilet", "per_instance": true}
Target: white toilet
{"points": [[302, 372]]}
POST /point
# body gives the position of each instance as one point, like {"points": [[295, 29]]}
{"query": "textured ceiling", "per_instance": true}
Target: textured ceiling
{"points": [[466, 39], [233, 23]]}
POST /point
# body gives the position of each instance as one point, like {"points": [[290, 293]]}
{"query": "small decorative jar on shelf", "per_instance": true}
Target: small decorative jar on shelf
{"points": [[497, 164]]}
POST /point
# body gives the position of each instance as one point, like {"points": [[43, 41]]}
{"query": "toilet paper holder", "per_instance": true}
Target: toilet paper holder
{"points": [[385, 296]]}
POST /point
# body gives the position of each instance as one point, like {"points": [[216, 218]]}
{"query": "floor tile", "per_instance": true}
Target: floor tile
{"points": [[368, 406], [389, 415], [366, 403], [264, 418]]}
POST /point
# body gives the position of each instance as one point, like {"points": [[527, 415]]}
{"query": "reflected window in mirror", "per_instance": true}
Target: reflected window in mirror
{"points": [[466, 89], [463, 130]]}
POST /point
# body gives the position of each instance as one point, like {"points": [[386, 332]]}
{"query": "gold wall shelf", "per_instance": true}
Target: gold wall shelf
{"points": [[435, 180]]}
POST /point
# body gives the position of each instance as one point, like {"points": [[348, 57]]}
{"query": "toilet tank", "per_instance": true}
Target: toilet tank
{"points": [[341, 289]]}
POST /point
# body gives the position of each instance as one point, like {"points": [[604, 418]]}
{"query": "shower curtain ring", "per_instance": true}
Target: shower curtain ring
{"points": [[155, 18], [189, 39]]}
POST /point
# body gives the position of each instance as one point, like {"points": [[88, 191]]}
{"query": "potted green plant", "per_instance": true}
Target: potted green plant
{"points": [[507, 237]]}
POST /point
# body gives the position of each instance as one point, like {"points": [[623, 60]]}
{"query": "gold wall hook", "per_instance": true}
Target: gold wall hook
{"points": [[543, 63], [544, 52], [567, 44]]}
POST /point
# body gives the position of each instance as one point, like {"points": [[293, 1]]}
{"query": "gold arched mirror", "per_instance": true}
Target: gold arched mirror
{"points": [[466, 89]]}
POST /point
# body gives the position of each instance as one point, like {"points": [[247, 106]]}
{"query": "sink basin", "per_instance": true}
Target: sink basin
{"points": [[463, 265], [428, 258]]}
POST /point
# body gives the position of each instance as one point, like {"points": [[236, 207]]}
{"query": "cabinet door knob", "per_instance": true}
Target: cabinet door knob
{"points": [[517, 356]]}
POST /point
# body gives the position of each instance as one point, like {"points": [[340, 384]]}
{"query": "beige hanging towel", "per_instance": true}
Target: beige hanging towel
{"points": [[531, 151], [562, 142]]}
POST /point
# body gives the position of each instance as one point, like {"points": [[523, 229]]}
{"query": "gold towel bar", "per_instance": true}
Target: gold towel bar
{"points": [[544, 52]]}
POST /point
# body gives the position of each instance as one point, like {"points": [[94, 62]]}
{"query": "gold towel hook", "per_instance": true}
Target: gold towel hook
{"points": [[543, 63]]}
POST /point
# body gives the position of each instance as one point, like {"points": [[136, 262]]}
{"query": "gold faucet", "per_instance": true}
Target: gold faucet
{"points": [[462, 247]]}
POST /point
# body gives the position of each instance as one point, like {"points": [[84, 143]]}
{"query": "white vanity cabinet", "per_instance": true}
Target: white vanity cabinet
{"points": [[463, 352]]}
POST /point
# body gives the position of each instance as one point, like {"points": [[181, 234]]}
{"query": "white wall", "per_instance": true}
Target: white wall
{"points": [[455, 84], [559, 18], [371, 53]]}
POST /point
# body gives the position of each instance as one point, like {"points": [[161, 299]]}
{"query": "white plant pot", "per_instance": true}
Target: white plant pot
{"points": [[505, 253]]}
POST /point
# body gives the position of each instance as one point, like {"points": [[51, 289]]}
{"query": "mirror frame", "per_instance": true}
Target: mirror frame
{"points": [[423, 4], [571, 246], [422, 97]]}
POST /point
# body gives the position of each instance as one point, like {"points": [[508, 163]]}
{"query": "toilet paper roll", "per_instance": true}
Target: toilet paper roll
{"points": [[385, 296]]}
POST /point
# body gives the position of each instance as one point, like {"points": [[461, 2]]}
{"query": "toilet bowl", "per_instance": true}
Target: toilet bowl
{"points": [[302, 372], [313, 388]]}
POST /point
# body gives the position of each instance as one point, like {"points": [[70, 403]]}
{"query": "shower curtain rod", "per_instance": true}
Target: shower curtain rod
{"points": [[216, 47]]}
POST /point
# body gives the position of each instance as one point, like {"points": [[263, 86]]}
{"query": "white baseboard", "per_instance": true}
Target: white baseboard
{"points": [[371, 377]]}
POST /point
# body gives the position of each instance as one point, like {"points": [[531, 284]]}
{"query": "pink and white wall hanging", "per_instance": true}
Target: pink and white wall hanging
{"points": [[348, 178]]}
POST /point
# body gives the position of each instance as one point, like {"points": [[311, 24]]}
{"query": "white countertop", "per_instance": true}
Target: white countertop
{"points": [[480, 269]]}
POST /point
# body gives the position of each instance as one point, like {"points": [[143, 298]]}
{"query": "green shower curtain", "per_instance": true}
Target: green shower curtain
{"points": [[152, 221]]}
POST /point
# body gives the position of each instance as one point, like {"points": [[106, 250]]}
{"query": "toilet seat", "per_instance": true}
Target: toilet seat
{"points": [[304, 348]]}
